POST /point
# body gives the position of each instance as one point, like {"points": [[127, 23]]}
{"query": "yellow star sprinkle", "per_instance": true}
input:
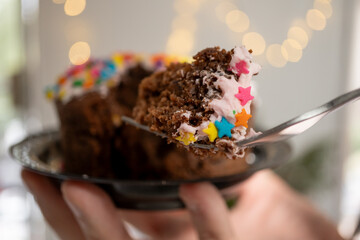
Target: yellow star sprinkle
{"points": [[186, 138], [211, 131]]}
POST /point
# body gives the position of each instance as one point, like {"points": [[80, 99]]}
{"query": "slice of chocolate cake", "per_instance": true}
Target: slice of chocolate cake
{"points": [[90, 100], [206, 101]]}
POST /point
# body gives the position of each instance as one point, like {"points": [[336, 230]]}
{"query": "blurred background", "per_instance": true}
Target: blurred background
{"points": [[309, 51]]}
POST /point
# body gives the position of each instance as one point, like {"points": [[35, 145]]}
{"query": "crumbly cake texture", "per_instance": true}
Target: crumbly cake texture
{"points": [[95, 142], [206, 101]]}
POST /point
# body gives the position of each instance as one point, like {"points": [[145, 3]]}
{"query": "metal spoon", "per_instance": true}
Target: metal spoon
{"points": [[283, 131]]}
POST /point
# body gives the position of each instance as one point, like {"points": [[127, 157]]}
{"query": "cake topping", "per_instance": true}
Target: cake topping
{"points": [[240, 67], [186, 138], [224, 127], [214, 89], [244, 95], [242, 119], [211, 131], [99, 75]]}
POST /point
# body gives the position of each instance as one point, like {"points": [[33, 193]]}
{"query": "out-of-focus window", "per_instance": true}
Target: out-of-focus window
{"points": [[11, 59]]}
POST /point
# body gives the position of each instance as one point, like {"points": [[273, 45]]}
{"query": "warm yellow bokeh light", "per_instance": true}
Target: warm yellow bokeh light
{"points": [[186, 7], [79, 53], [223, 9], [74, 7], [274, 55], [58, 1], [324, 6], [299, 35], [315, 19], [184, 22], [237, 21], [255, 42], [291, 50], [180, 42]]}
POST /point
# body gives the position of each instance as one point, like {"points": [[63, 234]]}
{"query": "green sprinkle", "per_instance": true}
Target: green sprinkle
{"points": [[234, 112], [78, 83], [98, 81]]}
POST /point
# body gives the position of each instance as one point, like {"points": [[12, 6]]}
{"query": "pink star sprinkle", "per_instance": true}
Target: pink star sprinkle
{"points": [[244, 95], [241, 67]]}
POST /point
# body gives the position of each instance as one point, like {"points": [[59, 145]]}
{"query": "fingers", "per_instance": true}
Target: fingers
{"points": [[52, 205], [208, 211], [94, 211], [175, 224]]}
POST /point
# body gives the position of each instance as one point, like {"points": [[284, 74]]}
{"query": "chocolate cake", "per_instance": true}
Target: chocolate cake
{"points": [[90, 100], [206, 101]]}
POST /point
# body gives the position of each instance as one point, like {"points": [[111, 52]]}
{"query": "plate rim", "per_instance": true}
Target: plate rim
{"points": [[128, 182]]}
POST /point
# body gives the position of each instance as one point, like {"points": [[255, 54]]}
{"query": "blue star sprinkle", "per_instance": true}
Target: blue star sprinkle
{"points": [[224, 127]]}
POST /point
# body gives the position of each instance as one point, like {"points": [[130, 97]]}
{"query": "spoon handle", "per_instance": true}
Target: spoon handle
{"points": [[300, 123]]}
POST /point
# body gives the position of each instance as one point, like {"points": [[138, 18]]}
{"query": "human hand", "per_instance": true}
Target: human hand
{"points": [[267, 209]]}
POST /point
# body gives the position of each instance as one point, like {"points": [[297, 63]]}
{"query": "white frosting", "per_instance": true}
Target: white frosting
{"points": [[227, 103]]}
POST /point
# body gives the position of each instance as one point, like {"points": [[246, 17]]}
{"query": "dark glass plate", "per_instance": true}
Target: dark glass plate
{"points": [[137, 194]]}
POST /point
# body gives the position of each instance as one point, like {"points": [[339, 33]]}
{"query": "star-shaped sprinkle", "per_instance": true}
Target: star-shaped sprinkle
{"points": [[186, 138], [244, 95], [240, 67], [211, 131], [49, 94], [224, 127], [242, 119]]}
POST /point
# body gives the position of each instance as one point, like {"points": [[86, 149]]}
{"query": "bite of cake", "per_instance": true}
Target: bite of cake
{"points": [[207, 101]]}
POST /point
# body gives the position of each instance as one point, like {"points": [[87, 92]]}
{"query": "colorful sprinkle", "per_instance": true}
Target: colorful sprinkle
{"points": [[61, 80], [49, 94], [244, 95], [240, 67], [224, 127], [186, 138], [211, 131], [78, 83], [110, 83], [97, 72], [118, 59], [234, 112], [62, 94], [88, 83], [242, 119]]}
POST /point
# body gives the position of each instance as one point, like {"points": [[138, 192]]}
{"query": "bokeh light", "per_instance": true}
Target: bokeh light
{"points": [[186, 7], [315, 19], [299, 35], [237, 21], [223, 9], [58, 1], [74, 7], [324, 7], [255, 42], [180, 42], [184, 22], [291, 50], [275, 55], [79, 53]]}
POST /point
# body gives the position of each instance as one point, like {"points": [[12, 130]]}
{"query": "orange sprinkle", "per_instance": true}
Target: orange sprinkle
{"points": [[242, 119], [88, 83], [61, 80]]}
